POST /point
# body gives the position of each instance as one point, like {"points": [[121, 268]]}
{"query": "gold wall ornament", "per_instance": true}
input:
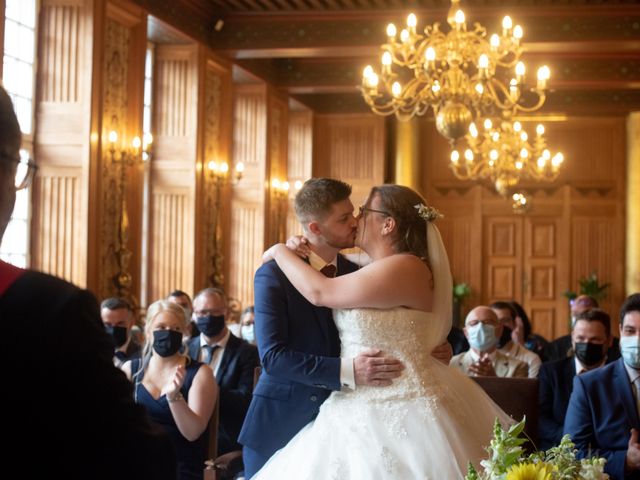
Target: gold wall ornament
{"points": [[502, 152], [122, 158], [459, 74], [280, 206], [219, 177]]}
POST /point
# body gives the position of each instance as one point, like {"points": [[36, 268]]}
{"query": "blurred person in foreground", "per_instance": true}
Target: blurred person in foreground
{"points": [[66, 391]]}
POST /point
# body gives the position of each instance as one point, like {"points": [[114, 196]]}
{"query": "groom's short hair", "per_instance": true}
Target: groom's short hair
{"points": [[317, 196]]}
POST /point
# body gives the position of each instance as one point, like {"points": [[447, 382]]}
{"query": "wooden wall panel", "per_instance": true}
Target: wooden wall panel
{"points": [[249, 199], [245, 236], [173, 165], [60, 60], [277, 160], [57, 214], [350, 148], [59, 239], [172, 240], [503, 258], [300, 161]]}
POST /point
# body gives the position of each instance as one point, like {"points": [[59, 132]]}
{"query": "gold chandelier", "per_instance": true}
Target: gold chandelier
{"points": [[460, 74], [502, 152]]}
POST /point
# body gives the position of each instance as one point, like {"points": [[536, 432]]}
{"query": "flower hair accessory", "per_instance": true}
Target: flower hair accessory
{"points": [[427, 213]]}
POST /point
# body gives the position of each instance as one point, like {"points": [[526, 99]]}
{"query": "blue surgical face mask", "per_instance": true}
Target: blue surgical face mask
{"points": [[482, 337], [248, 333], [630, 350]]}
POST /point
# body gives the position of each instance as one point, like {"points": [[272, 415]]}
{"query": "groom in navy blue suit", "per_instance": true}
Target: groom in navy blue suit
{"points": [[297, 341], [602, 417]]}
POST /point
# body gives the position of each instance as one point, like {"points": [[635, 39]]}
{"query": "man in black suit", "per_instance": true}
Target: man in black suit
{"points": [[591, 339], [70, 410], [232, 360]]}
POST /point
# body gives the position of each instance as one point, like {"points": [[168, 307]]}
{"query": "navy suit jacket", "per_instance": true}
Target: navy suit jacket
{"points": [[299, 349], [235, 379], [602, 411], [555, 384]]}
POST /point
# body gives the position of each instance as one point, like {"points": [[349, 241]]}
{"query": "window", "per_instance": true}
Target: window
{"points": [[18, 79], [146, 194]]}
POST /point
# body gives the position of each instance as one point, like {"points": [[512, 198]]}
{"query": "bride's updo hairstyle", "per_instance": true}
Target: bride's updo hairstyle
{"points": [[411, 229]]}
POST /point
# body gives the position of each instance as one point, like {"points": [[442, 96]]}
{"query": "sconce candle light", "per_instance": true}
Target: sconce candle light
{"points": [[220, 177], [125, 157]]}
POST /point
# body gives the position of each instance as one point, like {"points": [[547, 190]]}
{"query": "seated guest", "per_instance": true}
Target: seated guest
{"points": [[561, 347], [247, 322], [457, 340], [591, 337], [179, 393], [232, 360], [507, 318], [482, 330], [68, 411], [602, 417], [182, 299], [118, 318], [523, 333]]}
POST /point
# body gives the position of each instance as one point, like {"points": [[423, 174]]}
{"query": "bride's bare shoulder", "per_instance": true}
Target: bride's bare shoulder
{"points": [[408, 262]]}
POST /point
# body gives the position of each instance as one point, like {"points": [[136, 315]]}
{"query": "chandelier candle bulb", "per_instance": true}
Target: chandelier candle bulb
{"points": [[540, 129], [412, 21], [391, 31], [517, 33], [543, 75], [455, 156], [506, 26], [520, 69], [113, 137], [459, 18], [404, 35]]}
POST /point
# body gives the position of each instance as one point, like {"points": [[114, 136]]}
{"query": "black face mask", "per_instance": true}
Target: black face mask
{"points": [[505, 337], [119, 335], [211, 325], [589, 354], [167, 342]]}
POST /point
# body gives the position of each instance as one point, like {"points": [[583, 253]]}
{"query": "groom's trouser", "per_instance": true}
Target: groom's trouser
{"points": [[253, 462]]}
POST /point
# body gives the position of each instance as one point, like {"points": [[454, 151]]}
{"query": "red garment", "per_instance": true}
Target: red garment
{"points": [[8, 275]]}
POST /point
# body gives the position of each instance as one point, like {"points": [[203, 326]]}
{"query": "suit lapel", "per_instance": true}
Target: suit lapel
{"points": [[623, 386], [227, 355]]}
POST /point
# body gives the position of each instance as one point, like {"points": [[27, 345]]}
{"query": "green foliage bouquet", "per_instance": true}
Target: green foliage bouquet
{"points": [[508, 460]]}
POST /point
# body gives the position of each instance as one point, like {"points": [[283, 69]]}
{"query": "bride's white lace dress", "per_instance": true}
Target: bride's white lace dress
{"points": [[428, 425]]}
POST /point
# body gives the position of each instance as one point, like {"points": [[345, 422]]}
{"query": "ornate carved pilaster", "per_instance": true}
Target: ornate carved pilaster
{"points": [[114, 116]]}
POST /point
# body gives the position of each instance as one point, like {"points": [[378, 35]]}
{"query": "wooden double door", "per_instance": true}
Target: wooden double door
{"points": [[525, 258]]}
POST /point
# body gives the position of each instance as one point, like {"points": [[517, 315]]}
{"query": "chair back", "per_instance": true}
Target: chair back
{"points": [[518, 397], [256, 375], [212, 451]]}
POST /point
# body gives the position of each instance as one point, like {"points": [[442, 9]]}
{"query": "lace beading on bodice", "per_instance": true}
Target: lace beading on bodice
{"points": [[408, 335]]}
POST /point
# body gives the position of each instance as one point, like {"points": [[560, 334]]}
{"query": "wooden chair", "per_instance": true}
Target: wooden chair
{"points": [[225, 466], [517, 397]]}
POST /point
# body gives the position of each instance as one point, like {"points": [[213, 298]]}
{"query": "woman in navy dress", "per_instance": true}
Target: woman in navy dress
{"points": [[178, 393]]}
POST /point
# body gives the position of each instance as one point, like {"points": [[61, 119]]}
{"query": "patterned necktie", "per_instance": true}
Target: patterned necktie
{"points": [[329, 270], [208, 353]]}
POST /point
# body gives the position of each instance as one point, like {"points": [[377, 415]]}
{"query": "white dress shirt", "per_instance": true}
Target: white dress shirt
{"points": [[217, 354]]}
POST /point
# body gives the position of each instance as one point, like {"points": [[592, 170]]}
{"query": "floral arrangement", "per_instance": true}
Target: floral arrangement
{"points": [[508, 461]]}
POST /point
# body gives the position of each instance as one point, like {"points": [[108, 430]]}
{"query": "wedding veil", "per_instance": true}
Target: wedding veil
{"points": [[442, 282]]}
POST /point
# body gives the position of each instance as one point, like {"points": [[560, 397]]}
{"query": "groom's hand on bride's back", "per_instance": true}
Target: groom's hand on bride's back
{"points": [[372, 368]]}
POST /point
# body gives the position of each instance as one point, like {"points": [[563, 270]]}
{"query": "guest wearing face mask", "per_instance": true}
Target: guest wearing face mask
{"points": [[483, 330], [179, 393], [602, 417], [231, 359], [247, 325], [118, 318], [591, 338]]}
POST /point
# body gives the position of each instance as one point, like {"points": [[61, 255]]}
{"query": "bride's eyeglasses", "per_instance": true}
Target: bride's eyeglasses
{"points": [[363, 209]]}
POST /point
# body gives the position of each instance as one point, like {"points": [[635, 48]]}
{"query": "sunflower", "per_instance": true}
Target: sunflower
{"points": [[529, 471]]}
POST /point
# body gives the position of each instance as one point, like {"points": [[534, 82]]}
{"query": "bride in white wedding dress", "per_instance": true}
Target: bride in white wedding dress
{"points": [[433, 420]]}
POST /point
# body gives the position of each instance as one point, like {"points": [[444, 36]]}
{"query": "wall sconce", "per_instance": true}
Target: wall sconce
{"points": [[124, 157], [280, 192], [219, 176]]}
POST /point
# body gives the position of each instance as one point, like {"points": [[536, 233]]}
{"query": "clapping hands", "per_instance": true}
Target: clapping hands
{"points": [[173, 386], [483, 367]]}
